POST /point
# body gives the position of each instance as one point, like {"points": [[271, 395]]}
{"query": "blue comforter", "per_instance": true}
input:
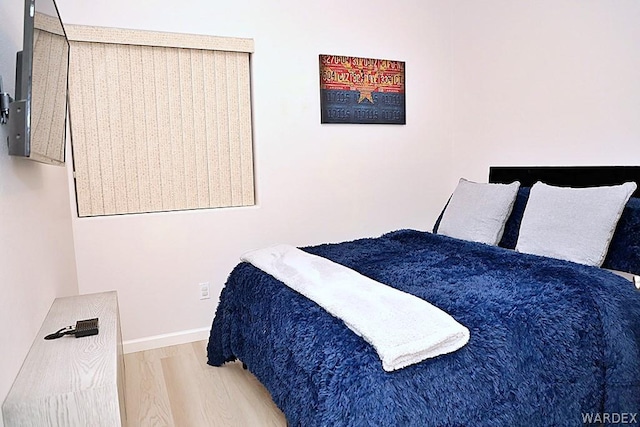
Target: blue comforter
{"points": [[553, 343]]}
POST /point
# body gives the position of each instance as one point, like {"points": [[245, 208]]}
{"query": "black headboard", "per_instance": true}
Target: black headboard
{"points": [[566, 176]]}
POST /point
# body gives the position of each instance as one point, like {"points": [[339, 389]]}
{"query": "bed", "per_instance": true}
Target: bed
{"points": [[552, 342]]}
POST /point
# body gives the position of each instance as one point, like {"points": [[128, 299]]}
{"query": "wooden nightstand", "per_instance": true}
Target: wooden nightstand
{"points": [[72, 381]]}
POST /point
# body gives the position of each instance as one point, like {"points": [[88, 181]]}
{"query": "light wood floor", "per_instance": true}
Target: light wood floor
{"points": [[174, 386]]}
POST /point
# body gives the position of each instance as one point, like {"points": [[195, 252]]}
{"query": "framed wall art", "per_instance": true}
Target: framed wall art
{"points": [[362, 90]]}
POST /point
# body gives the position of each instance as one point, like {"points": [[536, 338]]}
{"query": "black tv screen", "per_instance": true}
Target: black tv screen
{"points": [[37, 118]]}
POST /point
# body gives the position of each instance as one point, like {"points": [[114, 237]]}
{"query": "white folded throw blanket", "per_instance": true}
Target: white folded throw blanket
{"points": [[402, 328]]}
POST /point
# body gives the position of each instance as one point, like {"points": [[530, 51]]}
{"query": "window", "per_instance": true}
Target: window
{"points": [[159, 121]]}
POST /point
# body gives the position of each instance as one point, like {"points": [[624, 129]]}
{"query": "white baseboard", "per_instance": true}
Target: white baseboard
{"points": [[165, 340]]}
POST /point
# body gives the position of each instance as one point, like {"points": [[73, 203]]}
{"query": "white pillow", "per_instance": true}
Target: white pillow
{"points": [[574, 224], [478, 212]]}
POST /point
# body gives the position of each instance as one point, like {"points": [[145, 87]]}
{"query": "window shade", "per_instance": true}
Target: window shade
{"points": [[159, 127]]}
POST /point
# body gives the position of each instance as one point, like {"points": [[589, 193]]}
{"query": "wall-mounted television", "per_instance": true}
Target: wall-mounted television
{"points": [[37, 117]]}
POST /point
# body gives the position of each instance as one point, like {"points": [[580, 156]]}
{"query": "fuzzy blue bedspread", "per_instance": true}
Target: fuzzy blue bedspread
{"points": [[551, 341]]}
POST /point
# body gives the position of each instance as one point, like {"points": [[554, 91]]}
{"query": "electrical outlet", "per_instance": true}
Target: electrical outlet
{"points": [[204, 291]]}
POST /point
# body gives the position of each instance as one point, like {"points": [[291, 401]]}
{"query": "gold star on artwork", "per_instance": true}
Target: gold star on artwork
{"points": [[365, 93]]}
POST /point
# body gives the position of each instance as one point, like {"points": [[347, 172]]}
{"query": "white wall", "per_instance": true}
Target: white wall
{"points": [[545, 83], [314, 183], [37, 262]]}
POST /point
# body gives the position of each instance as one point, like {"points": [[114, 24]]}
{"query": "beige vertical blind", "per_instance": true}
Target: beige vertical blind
{"points": [[159, 121]]}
